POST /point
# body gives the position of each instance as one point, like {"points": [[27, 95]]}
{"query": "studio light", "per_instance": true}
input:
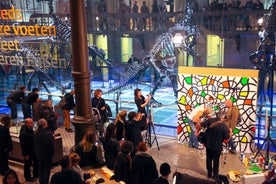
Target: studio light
{"points": [[177, 39], [260, 21]]}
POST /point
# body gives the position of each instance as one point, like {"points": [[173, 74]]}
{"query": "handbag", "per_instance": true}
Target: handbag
{"points": [[202, 137]]}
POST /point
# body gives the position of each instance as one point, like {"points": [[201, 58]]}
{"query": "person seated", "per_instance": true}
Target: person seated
{"points": [[75, 160], [143, 166], [165, 171], [10, 177], [111, 146], [87, 150], [67, 174], [122, 168]]}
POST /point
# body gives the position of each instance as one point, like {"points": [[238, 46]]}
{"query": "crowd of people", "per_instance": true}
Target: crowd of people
{"points": [[131, 164], [245, 21], [148, 17], [140, 15], [120, 146], [121, 141]]}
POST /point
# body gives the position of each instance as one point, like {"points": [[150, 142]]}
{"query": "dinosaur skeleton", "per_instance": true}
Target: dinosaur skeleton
{"points": [[162, 56]]}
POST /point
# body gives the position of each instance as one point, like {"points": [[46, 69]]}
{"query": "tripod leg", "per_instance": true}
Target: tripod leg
{"points": [[149, 136], [155, 138], [259, 150]]}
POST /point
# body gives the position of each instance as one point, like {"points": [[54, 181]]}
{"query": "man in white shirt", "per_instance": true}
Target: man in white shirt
{"points": [[195, 117]]}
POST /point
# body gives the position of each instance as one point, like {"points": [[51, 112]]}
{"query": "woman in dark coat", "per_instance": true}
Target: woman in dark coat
{"points": [[5, 143], [141, 103], [111, 146], [87, 150], [122, 169], [99, 103], [120, 122], [143, 166]]}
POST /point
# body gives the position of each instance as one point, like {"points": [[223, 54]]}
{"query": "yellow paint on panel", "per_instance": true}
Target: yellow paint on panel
{"points": [[244, 139], [182, 100], [243, 93], [204, 81], [188, 129], [221, 97]]}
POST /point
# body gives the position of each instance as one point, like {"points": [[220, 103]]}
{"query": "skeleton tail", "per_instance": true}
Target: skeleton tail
{"points": [[134, 71]]}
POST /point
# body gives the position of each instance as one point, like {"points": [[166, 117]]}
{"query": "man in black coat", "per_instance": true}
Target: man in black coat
{"points": [[67, 174], [28, 101], [216, 133], [5, 143], [15, 98], [26, 138], [133, 130], [44, 150], [47, 112]]}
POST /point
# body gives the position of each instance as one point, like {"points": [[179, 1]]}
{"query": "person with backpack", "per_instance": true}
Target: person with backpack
{"points": [[69, 105]]}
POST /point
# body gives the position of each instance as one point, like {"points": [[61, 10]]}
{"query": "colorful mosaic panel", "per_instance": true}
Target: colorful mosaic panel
{"points": [[195, 89]]}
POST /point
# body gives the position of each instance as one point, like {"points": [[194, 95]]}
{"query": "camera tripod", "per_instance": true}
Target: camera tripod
{"points": [[151, 129], [268, 121]]}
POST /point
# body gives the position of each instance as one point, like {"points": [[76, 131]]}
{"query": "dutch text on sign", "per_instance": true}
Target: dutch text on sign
{"points": [[44, 62], [36, 30]]}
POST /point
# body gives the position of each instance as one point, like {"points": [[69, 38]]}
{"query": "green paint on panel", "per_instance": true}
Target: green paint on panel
{"points": [[188, 80], [244, 81]]}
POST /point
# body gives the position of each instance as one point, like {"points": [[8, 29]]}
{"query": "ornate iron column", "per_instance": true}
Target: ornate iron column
{"points": [[83, 119]]}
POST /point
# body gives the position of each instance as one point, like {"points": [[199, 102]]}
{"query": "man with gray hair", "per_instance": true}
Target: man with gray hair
{"points": [[27, 146], [44, 149], [197, 115]]}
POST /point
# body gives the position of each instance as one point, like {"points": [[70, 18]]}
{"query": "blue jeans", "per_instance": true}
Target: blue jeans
{"points": [[193, 142]]}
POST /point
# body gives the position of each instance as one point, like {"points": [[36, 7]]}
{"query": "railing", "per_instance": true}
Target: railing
{"points": [[225, 23]]}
